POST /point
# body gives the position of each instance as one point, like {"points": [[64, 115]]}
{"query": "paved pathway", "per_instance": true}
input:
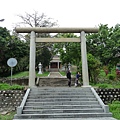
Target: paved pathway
{"points": [[56, 75]]}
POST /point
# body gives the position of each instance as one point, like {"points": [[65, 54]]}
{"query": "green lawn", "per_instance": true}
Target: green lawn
{"points": [[43, 74], [8, 116], [26, 74], [20, 74], [115, 109]]}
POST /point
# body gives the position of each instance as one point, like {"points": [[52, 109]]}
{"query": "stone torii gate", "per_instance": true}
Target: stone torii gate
{"points": [[33, 41]]}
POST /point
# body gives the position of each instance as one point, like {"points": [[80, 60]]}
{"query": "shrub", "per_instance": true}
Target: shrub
{"points": [[115, 109], [111, 76], [16, 87], [5, 86]]}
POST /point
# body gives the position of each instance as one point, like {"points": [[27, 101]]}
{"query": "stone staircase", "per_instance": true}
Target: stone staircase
{"points": [[62, 102]]}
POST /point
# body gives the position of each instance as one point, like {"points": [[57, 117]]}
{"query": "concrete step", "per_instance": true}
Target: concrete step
{"points": [[61, 107], [61, 115], [60, 96], [63, 103], [61, 99], [60, 89], [60, 92], [91, 118], [51, 111]]}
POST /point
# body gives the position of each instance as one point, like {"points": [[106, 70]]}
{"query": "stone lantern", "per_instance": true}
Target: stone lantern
{"points": [[69, 65], [40, 67]]}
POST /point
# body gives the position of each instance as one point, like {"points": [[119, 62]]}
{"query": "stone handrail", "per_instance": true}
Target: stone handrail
{"points": [[105, 107], [20, 108]]}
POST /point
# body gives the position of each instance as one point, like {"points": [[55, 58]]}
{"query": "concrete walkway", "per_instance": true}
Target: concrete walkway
{"points": [[55, 75]]}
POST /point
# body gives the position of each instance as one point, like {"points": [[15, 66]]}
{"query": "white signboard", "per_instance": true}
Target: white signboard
{"points": [[12, 62]]}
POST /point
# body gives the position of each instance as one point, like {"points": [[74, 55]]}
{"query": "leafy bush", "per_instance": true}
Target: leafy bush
{"points": [[111, 76], [93, 68], [16, 87], [4, 86]]}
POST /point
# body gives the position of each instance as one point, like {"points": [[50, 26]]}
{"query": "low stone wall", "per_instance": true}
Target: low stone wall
{"points": [[19, 81], [10, 99], [109, 95]]}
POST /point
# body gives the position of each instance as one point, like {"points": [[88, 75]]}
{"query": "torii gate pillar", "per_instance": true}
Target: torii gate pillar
{"points": [[32, 74], [84, 60]]}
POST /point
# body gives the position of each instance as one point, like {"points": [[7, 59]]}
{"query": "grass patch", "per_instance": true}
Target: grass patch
{"points": [[105, 85], [45, 74], [8, 116], [111, 84], [26, 74], [115, 109], [63, 73], [20, 75]]}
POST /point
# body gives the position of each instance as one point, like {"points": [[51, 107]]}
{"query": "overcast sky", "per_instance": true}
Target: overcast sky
{"points": [[68, 13]]}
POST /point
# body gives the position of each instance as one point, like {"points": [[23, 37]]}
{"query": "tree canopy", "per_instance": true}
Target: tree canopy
{"points": [[105, 45], [11, 47], [39, 20]]}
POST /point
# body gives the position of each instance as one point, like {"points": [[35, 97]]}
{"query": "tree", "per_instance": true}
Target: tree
{"points": [[93, 68], [44, 57], [19, 49], [105, 45], [4, 41], [37, 20], [11, 46], [69, 52]]}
